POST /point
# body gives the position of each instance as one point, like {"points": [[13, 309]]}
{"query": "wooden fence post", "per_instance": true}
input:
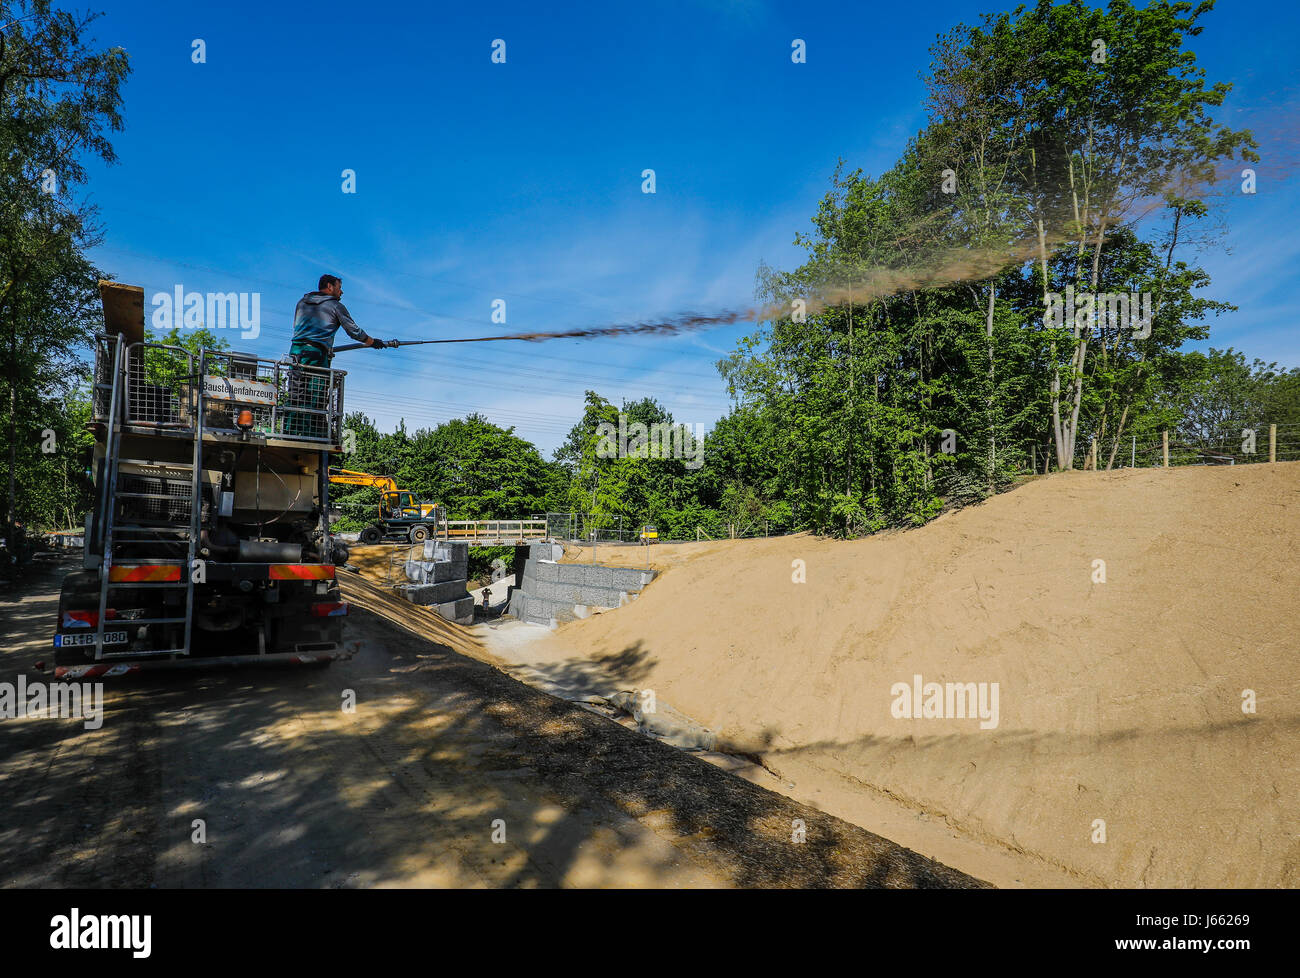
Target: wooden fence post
{"points": [[1272, 443], [1164, 436]]}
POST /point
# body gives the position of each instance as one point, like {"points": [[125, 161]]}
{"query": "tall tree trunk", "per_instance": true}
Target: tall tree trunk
{"points": [[13, 435], [1119, 433], [993, 443], [1057, 435], [852, 432]]}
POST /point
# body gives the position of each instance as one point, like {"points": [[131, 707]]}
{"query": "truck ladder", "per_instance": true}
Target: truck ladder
{"points": [[148, 530]]}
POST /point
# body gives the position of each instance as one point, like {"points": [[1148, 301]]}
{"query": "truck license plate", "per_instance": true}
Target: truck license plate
{"points": [[110, 638]]}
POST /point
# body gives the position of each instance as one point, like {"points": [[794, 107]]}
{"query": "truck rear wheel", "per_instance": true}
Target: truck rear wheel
{"points": [[371, 535]]}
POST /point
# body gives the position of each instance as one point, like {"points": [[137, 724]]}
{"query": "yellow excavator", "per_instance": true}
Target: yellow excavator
{"points": [[400, 516]]}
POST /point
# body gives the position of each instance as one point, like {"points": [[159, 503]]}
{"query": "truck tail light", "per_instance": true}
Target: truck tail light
{"points": [[86, 619]]}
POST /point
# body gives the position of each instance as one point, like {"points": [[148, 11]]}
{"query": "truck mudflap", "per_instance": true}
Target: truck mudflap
{"points": [[116, 670]]}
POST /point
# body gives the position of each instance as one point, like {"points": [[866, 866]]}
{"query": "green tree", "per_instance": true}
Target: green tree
{"points": [[59, 98]]}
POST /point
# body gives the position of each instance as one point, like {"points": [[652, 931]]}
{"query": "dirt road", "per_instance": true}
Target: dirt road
{"points": [[441, 753]]}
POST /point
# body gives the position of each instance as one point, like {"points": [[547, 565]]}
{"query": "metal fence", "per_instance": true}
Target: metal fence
{"points": [[161, 387], [1239, 445], [589, 526], [604, 528], [101, 389]]}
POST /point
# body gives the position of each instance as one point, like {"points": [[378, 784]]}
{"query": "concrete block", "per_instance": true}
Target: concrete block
{"points": [[519, 603], [440, 593], [450, 570], [549, 592], [460, 611], [434, 571], [455, 550], [605, 597], [622, 578], [539, 611], [545, 551]]}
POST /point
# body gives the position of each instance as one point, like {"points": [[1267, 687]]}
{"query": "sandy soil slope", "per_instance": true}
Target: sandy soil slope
{"points": [[1118, 702]]}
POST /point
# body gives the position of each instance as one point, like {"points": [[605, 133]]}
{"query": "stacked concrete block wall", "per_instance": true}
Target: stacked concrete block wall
{"points": [[549, 592], [437, 577]]}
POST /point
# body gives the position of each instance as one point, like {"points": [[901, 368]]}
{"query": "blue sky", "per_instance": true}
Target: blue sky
{"points": [[522, 181]]}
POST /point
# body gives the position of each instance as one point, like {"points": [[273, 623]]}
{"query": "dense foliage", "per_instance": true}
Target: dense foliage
{"points": [[471, 467], [59, 98]]}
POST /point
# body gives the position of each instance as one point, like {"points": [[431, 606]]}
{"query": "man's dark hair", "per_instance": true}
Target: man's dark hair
{"points": [[327, 280]]}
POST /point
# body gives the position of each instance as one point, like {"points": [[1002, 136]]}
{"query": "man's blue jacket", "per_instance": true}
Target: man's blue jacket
{"points": [[319, 316]]}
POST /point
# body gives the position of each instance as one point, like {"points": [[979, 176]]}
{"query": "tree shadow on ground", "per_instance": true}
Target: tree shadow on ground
{"points": [[442, 753]]}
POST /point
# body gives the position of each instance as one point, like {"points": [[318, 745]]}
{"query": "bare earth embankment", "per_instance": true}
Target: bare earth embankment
{"points": [[1119, 701]]}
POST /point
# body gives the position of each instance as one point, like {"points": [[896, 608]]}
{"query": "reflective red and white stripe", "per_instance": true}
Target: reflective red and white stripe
{"points": [[144, 573], [301, 572], [96, 671]]}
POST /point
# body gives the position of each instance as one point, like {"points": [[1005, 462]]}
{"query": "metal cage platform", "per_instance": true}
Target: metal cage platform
{"points": [[166, 387]]}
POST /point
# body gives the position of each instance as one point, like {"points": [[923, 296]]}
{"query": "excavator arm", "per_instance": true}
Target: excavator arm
{"points": [[347, 477]]}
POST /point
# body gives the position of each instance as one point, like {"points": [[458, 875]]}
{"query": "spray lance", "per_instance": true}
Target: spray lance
{"points": [[680, 324], [393, 343]]}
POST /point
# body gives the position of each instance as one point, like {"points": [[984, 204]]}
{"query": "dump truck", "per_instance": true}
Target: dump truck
{"points": [[209, 541], [401, 517]]}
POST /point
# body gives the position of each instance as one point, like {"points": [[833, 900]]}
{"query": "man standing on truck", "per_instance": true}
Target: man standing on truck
{"points": [[317, 318]]}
